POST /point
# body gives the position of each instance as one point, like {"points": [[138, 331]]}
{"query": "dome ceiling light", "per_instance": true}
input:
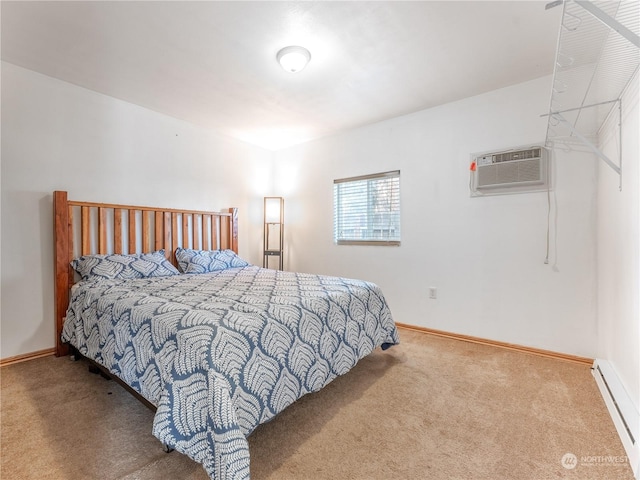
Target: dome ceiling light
{"points": [[293, 58]]}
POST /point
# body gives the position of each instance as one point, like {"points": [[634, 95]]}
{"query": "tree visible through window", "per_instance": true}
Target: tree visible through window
{"points": [[366, 209]]}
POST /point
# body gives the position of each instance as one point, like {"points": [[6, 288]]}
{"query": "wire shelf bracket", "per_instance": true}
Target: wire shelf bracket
{"points": [[589, 144]]}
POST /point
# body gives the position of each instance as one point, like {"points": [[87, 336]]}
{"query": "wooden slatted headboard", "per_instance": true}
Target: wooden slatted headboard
{"points": [[85, 228]]}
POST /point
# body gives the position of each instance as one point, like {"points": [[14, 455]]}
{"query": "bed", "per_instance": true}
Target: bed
{"points": [[215, 345]]}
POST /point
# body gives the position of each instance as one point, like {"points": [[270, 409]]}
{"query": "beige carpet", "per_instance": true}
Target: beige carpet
{"points": [[431, 408]]}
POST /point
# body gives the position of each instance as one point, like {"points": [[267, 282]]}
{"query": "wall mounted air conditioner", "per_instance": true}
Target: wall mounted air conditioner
{"points": [[516, 170]]}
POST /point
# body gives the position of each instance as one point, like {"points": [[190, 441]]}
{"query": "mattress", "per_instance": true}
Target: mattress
{"points": [[220, 353]]}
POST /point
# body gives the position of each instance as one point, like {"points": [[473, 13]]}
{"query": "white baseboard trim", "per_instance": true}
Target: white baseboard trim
{"points": [[623, 412]]}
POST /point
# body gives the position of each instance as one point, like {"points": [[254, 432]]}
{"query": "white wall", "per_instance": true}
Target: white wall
{"points": [[618, 249], [485, 255], [57, 136]]}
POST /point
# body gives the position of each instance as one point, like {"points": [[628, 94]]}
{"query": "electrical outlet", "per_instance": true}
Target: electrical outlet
{"points": [[433, 292]]}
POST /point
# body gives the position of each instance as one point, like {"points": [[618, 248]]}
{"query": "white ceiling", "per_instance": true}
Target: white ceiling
{"points": [[213, 63]]}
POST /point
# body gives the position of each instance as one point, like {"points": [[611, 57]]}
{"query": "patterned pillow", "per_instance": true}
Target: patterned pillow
{"points": [[205, 261], [122, 267]]}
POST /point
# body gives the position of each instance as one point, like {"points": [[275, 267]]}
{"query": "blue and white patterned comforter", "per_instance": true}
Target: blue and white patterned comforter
{"points": [[221, 353]]}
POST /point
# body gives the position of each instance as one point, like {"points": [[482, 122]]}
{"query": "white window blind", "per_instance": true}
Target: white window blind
{"points": [[366, 209]]}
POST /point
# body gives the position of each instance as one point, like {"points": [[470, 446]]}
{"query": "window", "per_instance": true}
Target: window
{"points": [[366, 210]]}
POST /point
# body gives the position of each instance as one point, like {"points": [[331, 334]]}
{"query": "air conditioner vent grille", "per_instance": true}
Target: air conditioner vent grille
{"points": [[520, 172]]}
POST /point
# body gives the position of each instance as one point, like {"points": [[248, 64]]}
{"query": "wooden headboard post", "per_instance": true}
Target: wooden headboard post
{"points": [[233, 231], [125, 228], [62, 243]]}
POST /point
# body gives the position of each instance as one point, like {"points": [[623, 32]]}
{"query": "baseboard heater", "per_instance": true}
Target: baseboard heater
{"points": [[622, 410]]}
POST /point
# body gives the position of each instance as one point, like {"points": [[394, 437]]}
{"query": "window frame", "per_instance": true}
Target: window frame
{"points": [[336, 209]]}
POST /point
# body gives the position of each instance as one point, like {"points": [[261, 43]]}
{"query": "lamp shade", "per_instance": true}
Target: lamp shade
{"points": [[273, 209], [293, 58]]}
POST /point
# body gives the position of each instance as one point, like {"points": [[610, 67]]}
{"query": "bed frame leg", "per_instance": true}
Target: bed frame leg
{"points": [[98, 371], [74, 354], [167, 448]]}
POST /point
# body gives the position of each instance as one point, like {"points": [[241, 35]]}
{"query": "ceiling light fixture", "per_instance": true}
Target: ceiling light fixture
{"points": [[293, 59]]}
